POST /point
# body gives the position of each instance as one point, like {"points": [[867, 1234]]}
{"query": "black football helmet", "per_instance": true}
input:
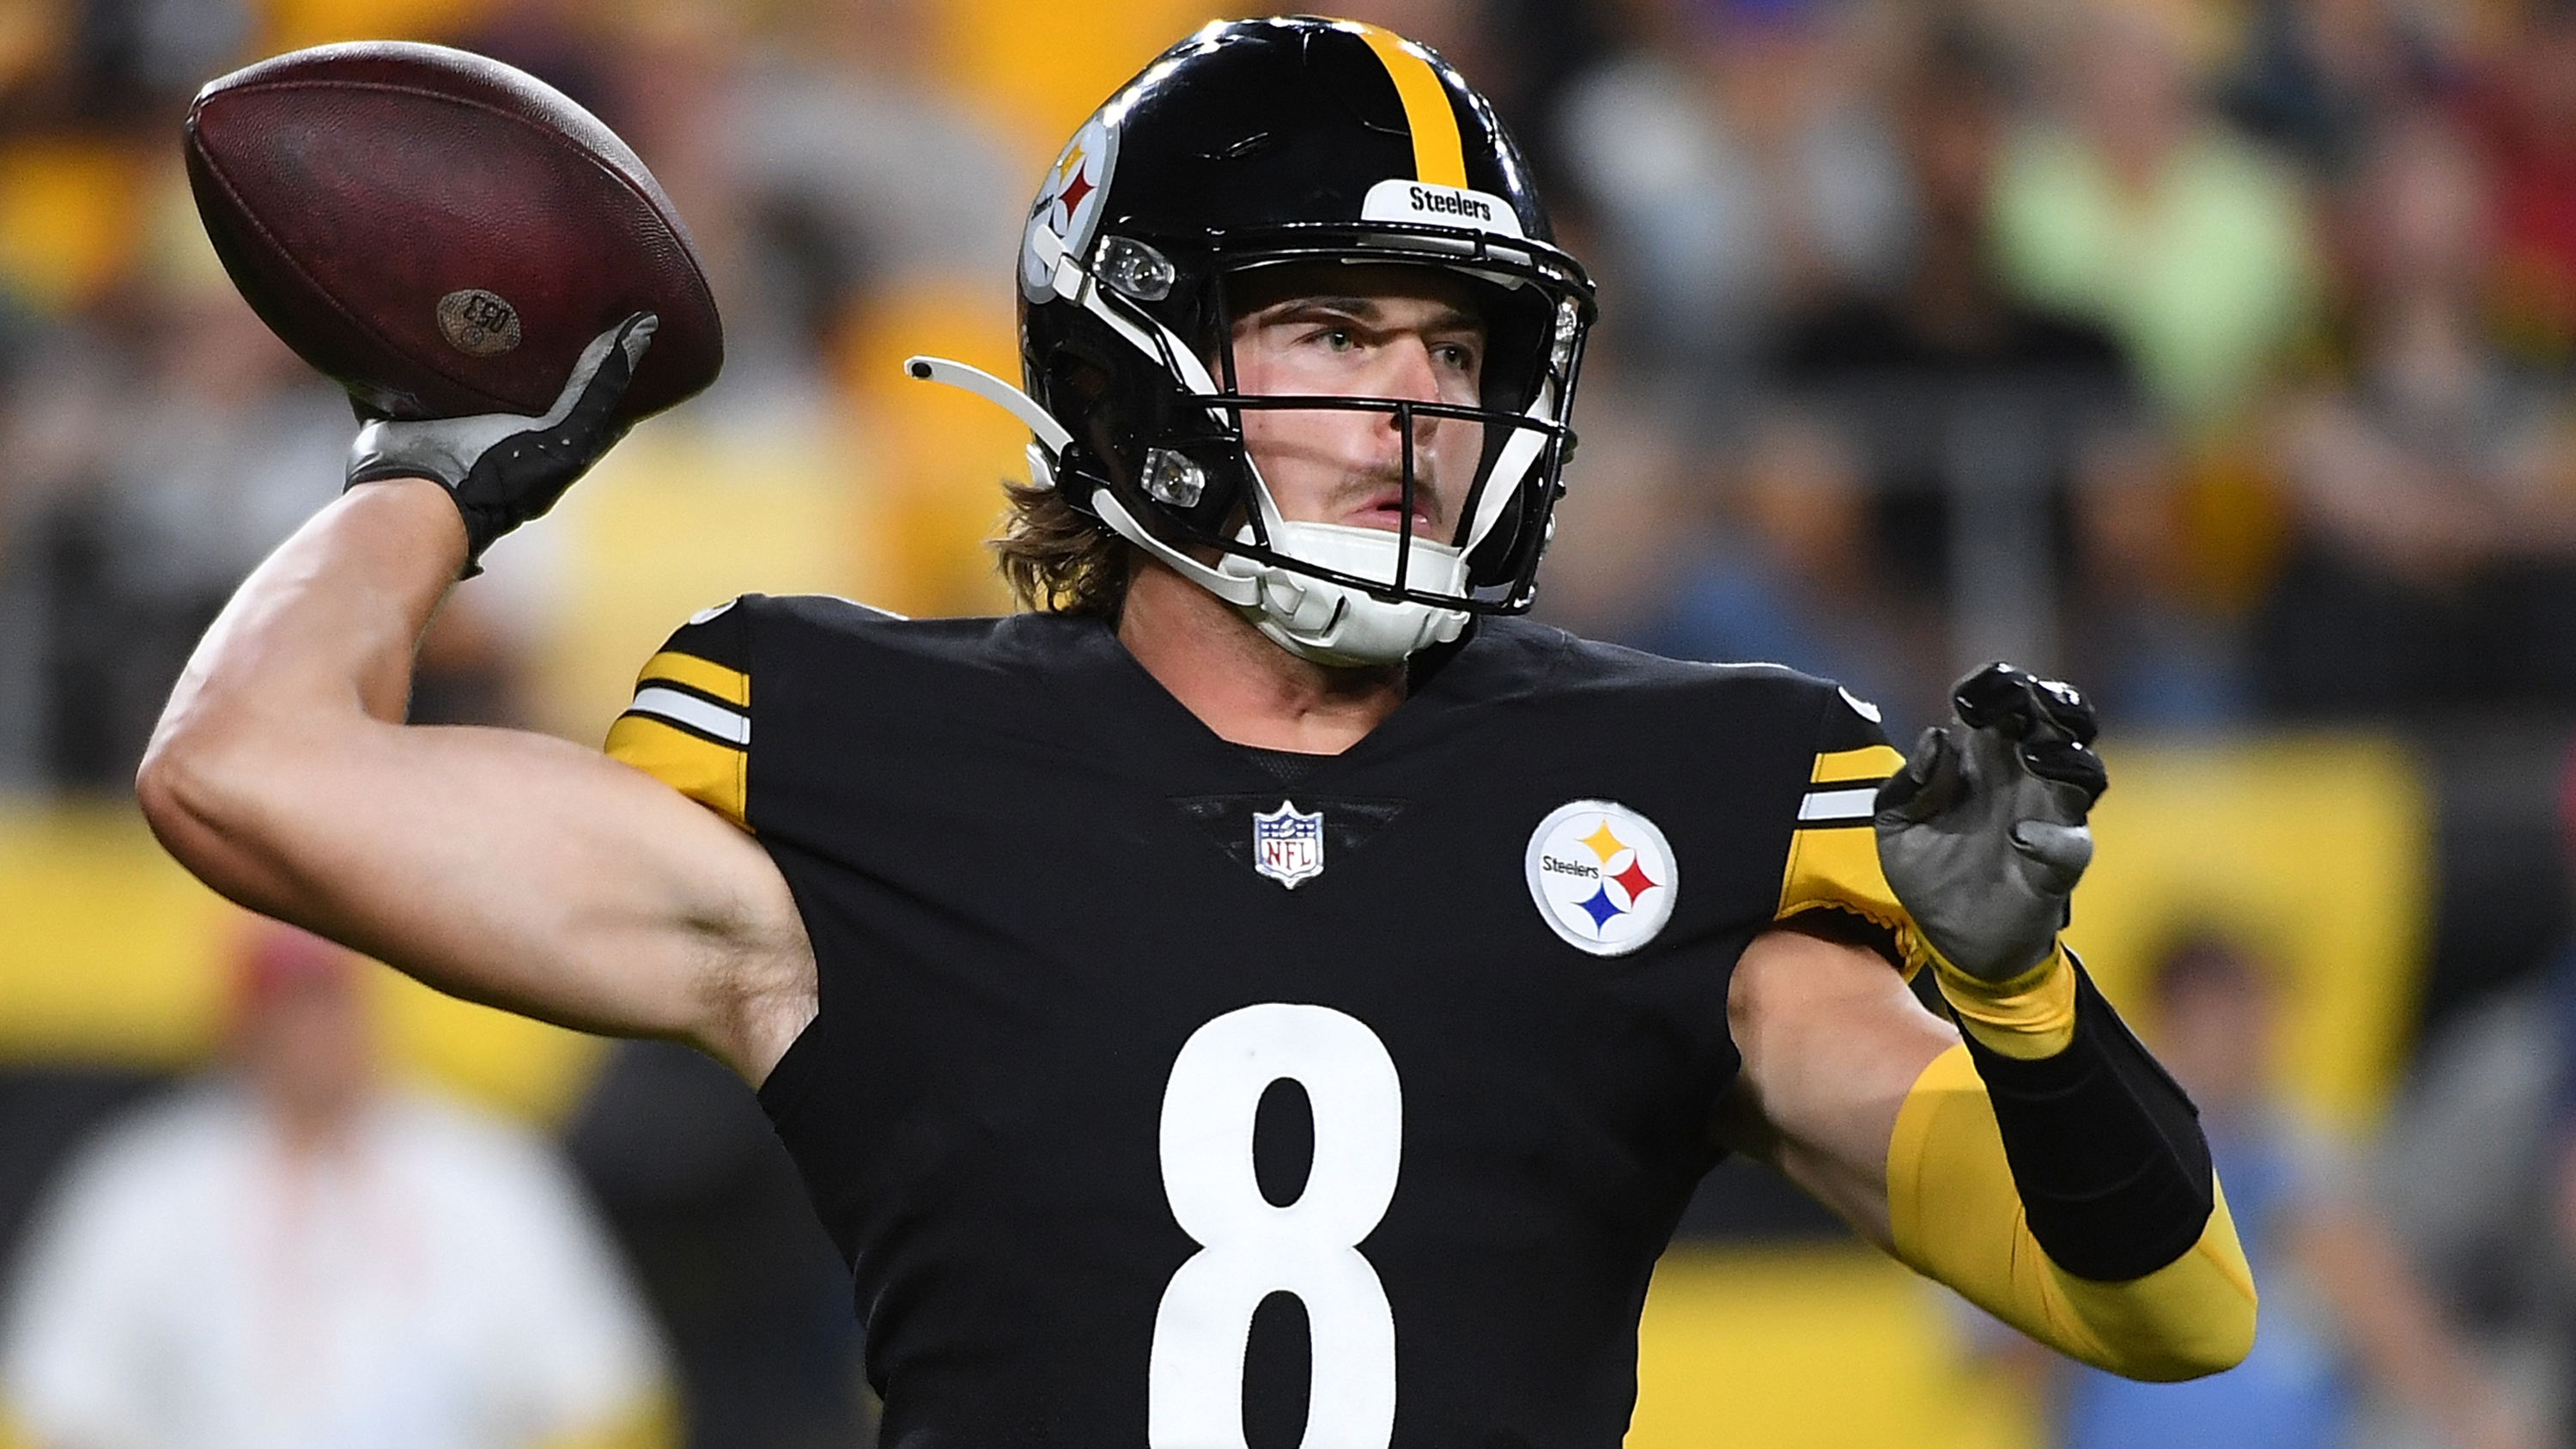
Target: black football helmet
{"points": [[1252, 144]]}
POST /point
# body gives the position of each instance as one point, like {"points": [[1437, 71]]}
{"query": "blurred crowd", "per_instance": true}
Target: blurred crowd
{"points": [[2216, 354], [2211, 352]]}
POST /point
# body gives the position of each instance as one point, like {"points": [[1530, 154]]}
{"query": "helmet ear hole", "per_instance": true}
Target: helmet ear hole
{"points": [[1082, 389], [1081, 381]]}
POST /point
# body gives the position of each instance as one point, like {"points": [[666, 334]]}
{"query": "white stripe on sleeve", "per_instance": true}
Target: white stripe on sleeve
{"points": [[1853, 804], [696, 713]]}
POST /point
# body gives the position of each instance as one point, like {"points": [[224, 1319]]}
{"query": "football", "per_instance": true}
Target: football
{"points": [[440, 233]]}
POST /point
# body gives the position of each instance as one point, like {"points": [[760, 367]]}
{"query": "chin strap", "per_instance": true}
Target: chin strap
{"points": [[1336, 624], [1315, 619], [1241, 590]]}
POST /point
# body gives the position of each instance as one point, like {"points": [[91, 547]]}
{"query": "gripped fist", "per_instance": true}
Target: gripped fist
{"points": [[1982, 834], [504, 468]]}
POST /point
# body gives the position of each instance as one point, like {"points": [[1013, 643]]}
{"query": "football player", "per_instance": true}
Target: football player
{"points": [[1269, 984]]}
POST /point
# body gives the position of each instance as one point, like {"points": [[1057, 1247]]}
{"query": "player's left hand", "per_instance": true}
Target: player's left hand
{"points": [[1982, 833]]}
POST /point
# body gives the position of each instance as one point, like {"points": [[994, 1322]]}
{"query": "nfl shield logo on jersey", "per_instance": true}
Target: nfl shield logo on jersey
{"points": [[1288, 847]]}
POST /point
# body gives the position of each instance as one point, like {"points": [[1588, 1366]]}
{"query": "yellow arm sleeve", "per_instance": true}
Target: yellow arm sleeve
{"points": [[1956, 1218]]}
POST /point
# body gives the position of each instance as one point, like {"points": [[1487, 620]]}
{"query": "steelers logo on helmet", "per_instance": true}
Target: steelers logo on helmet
{"points": [[1067, 211], [1602, 876]]}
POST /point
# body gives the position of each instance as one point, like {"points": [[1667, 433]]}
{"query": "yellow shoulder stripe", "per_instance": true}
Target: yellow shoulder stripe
{"points": [[1870, 762], [1834, 865], [730, 685], [716, 776], [1439, 154], [1837, 869]]}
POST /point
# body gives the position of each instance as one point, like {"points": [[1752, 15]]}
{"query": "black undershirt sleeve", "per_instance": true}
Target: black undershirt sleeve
{"points": [[2105, 1147]]}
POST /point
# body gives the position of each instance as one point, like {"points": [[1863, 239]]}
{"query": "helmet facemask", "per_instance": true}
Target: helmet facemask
{"points": [[1180, 481]]}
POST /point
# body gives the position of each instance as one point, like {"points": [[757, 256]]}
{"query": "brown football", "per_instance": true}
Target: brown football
{"points": [[440, 233]]}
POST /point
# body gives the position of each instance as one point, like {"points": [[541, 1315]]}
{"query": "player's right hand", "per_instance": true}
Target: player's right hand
{"points": [[1982, 834], [506, 468]]}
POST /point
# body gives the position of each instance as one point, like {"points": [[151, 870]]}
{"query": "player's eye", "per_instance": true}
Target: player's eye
{"points": [[1458, 355]]}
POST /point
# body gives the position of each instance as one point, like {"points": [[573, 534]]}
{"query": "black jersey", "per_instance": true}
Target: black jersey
{"points": [[1153, 1099]]}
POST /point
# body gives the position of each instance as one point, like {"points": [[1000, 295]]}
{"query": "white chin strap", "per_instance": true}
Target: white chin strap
{"points": [[1312, 618], [1333, 623]]}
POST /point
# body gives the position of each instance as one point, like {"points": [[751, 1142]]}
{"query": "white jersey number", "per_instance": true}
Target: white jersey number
{"points": [[1250, 1249]]}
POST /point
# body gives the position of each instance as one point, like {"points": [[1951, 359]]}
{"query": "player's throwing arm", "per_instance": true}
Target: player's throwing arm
{"points": [[2047, 1167], [501, 866]]}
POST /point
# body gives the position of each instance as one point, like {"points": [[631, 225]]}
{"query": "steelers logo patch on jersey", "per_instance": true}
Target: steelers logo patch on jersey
{"points": [[1602, 876], [1067, 211]]}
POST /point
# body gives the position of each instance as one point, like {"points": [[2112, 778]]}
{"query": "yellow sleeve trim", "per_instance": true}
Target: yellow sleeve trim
{"points": [[730, 685], [1834, 865], [1837, 866], [2027, 1017], [1956, 1218], [1869, 762], [716, 776]]}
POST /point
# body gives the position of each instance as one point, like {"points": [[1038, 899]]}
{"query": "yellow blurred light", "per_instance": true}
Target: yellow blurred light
{"points": [[2315, 851], [687, 513], [112, 952], [1041, 66], [115, 954], [1811, 1348], [295, 24], [70, 213], [940, 454]]}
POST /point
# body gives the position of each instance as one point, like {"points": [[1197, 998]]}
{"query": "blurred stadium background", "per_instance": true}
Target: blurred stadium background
{"points": [[2211, 353]]}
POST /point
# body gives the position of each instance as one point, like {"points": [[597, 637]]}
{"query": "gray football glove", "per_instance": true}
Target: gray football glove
{"points": [[1982, 834], [504, 468]]}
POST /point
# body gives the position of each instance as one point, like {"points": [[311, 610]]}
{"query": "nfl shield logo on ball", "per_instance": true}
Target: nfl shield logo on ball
{"points": [[1288, 847]]}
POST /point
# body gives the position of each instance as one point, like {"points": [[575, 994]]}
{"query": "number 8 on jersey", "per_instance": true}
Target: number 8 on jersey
{"points": [[1250, 1249]]}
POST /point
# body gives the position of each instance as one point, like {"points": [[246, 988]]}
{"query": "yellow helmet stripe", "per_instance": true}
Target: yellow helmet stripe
{"points": [[1439, 154]]}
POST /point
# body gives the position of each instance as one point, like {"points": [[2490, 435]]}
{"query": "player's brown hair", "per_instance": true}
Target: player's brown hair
{"points": [[1058, 558]]}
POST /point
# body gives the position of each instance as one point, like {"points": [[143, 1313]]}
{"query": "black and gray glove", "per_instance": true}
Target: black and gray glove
{"points": [[1982, 834], [504, 468]]}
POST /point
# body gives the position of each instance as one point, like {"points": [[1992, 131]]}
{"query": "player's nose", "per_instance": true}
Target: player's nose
{"points": [[1411, 376]]}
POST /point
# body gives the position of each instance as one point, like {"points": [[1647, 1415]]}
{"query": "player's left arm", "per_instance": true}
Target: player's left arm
{"points": [[2041, 1164]]}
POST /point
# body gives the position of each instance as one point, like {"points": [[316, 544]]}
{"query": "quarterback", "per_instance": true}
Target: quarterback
{"points": [[1268, 992]]}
